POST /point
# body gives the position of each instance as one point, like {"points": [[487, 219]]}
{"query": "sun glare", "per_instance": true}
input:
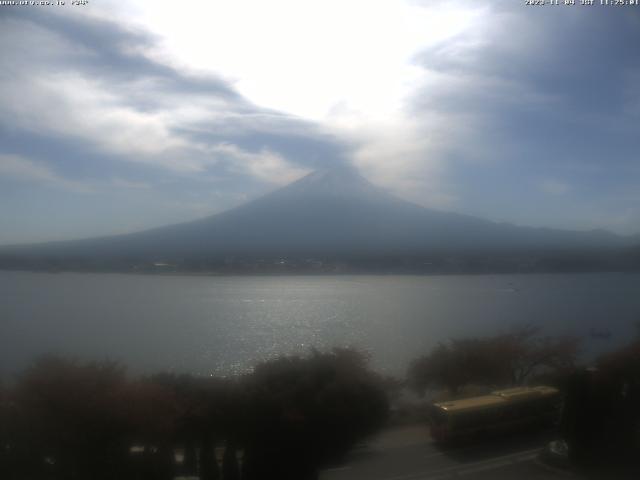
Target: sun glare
{"points": [[311, 59]]}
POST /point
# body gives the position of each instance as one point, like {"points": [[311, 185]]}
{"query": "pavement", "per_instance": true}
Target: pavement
{"points": [[409, 453]]}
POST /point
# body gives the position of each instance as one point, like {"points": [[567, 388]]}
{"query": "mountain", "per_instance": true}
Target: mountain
{"points": [[328, 213]]}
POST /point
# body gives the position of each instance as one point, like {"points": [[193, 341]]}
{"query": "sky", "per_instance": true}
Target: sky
{"points": [[120, 116]]}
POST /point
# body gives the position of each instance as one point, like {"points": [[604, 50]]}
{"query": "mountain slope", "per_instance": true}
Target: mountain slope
{"points": [[332, 212]]}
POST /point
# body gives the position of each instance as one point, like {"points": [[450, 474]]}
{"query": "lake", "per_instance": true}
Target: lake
{"points": [[206, 324]]}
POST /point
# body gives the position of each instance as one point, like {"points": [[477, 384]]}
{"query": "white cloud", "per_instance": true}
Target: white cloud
{"points": [[324, 60], [400, 157], [265, 165], [305, 57], [74, 106]]}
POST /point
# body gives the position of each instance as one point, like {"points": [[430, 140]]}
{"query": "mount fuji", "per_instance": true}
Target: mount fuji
{"points": [[328, 213]]}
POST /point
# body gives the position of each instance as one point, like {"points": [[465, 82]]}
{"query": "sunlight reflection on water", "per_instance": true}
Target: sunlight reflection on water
{"points": [[227, 324]]}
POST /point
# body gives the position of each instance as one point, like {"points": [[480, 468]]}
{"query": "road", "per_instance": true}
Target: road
{"points": [[408, 453]]}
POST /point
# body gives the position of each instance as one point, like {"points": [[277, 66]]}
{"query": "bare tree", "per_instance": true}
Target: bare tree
{"points": [[506, 359]]}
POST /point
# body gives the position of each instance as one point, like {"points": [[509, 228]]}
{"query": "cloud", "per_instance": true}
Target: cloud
{"points": [[265, 165], [406, 161], [121, 183], [528, 94], [98, 83], [24, 169], [513, 87], [92, 106], [498, 111]]}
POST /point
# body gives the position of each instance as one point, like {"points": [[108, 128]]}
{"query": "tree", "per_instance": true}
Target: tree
{"points": [[73, 418], [600, 419], [206, 414], [525, 353], [441, 367], [619, 376], [302, 412], [153, 411], [506, 359], [7, 435]]}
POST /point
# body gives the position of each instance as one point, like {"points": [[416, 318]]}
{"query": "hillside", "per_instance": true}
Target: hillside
{"points": [[333, 213]]}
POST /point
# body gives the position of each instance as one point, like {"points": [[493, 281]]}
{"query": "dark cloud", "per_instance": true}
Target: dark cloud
{"points": [[538, 94], [113, 52], [296, 139], [564, 77], [585, 56]]}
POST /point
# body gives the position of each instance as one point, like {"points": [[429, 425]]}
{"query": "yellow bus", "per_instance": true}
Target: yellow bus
{"points": [[500, 411]]}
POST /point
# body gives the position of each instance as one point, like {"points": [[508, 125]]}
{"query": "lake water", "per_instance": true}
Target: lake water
{"points": [[226, 324]]}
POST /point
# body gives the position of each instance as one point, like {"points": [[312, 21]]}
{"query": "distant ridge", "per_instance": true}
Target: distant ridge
{"points": [[328, 213]]}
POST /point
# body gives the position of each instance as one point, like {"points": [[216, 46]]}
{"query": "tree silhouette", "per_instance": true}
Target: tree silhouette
{"points": [[70, 420], [506, 359], [205, 416], [75, 416], [302, 412]]}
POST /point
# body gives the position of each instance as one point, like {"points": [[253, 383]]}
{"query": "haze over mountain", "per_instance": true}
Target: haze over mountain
{"points": [[334, 212]]}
